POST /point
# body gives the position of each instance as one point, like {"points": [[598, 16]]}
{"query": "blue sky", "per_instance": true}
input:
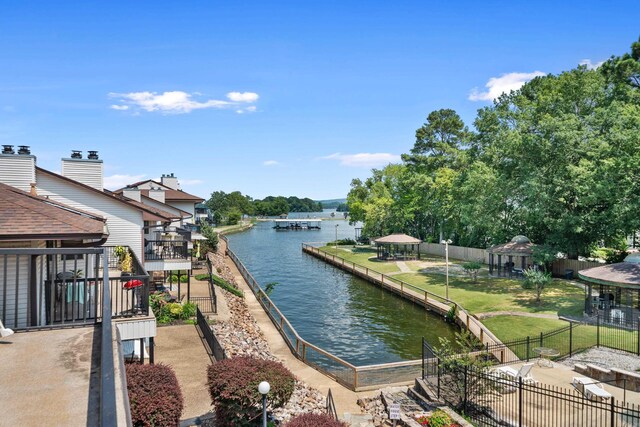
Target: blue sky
{"points": [[273, 98]]}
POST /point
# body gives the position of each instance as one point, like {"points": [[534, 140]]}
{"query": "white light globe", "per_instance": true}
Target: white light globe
{"points": [[264, 387]]}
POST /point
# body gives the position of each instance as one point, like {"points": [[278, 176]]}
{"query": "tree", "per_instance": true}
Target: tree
{"points": [[212, 240], [544, 255], [454, 363], [472, 268], [536, 280]]}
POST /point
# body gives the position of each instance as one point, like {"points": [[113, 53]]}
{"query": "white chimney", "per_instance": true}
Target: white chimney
{"points": [[132, 193], [17, 170], [170, 181], [157, 194], [89, 171]]}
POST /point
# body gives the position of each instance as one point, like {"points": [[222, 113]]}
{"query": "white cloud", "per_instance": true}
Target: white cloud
{"points": [[270, 163], [496, 86], [364, 160], [243, 96], [178, 102], [116, 181], [590, 65], [250, 109]]}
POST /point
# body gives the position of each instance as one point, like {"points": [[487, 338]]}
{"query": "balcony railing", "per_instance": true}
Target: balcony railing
{"points": [[158, 250], [41, 288]]}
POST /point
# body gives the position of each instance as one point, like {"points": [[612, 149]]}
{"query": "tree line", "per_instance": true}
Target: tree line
{"points": [[557, 160], [229, 207]]}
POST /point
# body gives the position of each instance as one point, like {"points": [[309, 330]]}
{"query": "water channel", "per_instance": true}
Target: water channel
{"points": [[342, 314]]}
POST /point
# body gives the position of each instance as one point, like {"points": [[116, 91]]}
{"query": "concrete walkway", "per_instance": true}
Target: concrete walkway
{"points": [[181, 348], [344, 398], [516, 313]]}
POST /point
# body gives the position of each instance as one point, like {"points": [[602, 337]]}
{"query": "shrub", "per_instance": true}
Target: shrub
{"points": [[233, 387], [343, 242], [167, 309], [154, 395], [202, 276], [314, 420], [472, 268], [227, 286], [438, 418]]}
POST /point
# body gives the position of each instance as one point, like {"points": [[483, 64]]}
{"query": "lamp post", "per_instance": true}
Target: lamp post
{"points": [[446, 244], [337, 238], [264, 388]]}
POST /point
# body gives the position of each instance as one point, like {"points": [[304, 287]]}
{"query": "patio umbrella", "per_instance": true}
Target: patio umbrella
{"points": [[131, 284]]}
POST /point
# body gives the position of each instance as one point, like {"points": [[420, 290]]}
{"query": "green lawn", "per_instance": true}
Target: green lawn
{"points": [[486, 295], [508, 328], [492, 294], [363, 256]]}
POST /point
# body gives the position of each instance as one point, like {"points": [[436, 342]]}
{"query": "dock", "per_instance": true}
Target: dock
{"points": [[297, 224]]}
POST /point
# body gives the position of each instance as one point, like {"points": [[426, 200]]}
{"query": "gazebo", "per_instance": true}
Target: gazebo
{"points": [[614, 290], [397, 246], [512, 257]]}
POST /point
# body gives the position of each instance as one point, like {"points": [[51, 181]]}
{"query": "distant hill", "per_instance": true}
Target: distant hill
{"points": [[332, 203]]}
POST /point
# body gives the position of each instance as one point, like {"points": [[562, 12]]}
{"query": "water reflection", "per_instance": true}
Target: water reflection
{"points": [[342, 314]]}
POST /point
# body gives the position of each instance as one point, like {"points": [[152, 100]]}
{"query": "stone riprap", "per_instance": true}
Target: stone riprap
{"points": [[241, 336]]}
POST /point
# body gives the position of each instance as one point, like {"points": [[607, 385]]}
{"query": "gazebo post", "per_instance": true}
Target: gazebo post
{"points": [[499, 265], [524, 262], [491, 264], [510, 266]]}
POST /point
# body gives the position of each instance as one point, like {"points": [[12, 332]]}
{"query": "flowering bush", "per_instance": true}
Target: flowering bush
{"points": [[438, 418], [314, 420], [154, 395], [233, 387]]}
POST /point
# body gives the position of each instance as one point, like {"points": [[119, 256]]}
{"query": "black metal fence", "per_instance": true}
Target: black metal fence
{"points": [[210, 338], [205, 304], [156, 250], [42, 288], [488, 399], [566, 341]]}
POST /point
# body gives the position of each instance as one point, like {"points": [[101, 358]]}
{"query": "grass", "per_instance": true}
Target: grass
{"points": [[508, 328], [487, 295], [362, 256]]}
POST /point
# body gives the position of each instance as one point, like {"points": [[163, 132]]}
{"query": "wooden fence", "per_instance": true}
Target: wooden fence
{"points": [[475, 254]]}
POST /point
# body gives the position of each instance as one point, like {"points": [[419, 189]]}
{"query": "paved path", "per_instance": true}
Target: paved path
{"points": [[404, 268], [516, 313], [344, 398], [181, 348]]}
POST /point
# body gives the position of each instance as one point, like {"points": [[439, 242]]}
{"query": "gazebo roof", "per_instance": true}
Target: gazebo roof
{"points": [[623, 274], [398, 239], [519, 246]]}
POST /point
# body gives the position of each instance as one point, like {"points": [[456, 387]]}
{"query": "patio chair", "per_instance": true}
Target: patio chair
{"points": [[591, 389], [524, 372]]}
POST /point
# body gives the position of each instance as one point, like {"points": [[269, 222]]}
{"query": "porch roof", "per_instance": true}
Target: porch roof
{"points": [[25, 216], [398, 239], [622, 274]]}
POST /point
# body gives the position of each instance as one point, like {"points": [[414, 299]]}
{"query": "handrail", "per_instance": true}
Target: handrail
{"points": [[331, 406], [108, 412]]}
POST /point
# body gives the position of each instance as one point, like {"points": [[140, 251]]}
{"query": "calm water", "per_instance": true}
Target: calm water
{"points": [[342, 314]]}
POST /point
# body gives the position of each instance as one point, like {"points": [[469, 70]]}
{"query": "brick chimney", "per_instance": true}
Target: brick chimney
{"points": [[18, 169], [89, 171]]}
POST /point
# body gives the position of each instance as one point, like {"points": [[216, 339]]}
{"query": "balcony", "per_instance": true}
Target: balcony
{"points": [[165, 255], [66, 375]]}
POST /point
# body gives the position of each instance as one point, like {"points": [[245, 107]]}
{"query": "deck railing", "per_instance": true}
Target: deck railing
{"points": [[54, 287], [354, 377], [158, 250]]}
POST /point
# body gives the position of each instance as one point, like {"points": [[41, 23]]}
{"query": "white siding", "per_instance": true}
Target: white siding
{"points": [[124, 222], [18, 171], [187, 207], [88, 172], [167, 265], [136, 328], [16, 282]]}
